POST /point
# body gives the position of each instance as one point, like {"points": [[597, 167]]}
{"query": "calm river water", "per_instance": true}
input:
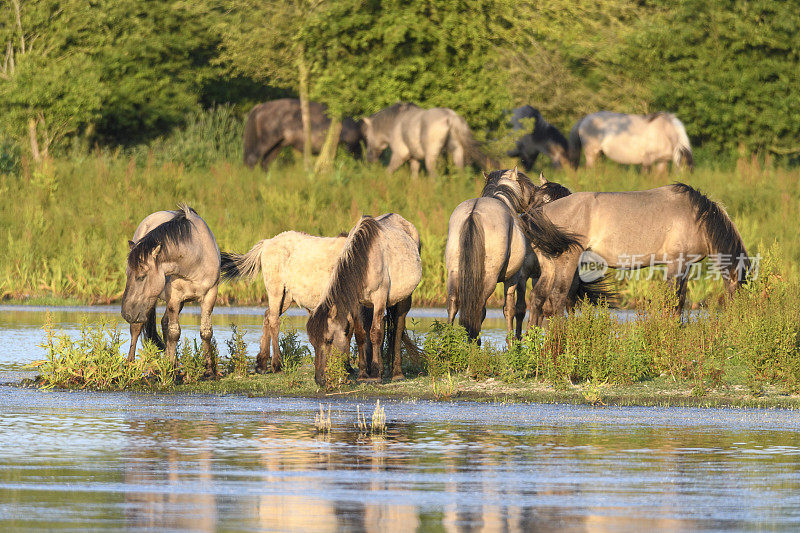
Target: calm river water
{"points": [[88, 460]]}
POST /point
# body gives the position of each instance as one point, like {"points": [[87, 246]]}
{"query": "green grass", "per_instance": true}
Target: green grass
{"points": [[65, 226]]}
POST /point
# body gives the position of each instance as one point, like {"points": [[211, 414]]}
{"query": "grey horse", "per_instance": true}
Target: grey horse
{"points": [[173, 256], [544, 139], [674, 226], [631, 140], [488, 243], [275, 124], [415, 135], [379, 268]]}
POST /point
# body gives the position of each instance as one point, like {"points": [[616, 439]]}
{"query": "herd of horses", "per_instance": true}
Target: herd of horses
{"points": [[361, 283], [416, 135]]}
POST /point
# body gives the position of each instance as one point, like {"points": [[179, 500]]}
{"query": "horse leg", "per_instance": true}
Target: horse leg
{"points": [[136, 329], [661, 168], [414, 164], [591, 153], [401, 310], [275, 333], [376, 338], [270, 154], [452, 297], [519, 308], [263, 352], [396, 161], [457, 153], [172, 329], [206, 331], [361, 342], [509, 308], [430, 163]]}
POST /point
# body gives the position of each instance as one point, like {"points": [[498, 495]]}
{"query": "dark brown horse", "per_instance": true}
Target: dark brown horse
{"points": [[275, 124]]}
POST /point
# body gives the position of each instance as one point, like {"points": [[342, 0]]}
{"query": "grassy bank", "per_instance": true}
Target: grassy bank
{"points": [[746, 354], [66, 225]]}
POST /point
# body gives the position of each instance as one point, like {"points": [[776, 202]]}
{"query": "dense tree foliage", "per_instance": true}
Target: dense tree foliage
{"points": [[123, 71]]}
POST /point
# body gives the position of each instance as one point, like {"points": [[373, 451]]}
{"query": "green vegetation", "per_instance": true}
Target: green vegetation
{"points": [[747, 353], [65, 226], [122, 72]]}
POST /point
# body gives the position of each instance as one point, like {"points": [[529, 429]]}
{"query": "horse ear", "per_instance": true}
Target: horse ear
{"points": [[542, 179], [485, 175], [131, 245], [156, 251], [332, 313], [515, 174]]}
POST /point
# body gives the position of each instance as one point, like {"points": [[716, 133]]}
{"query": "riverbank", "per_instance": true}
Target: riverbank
{"points": [[659, 392]]}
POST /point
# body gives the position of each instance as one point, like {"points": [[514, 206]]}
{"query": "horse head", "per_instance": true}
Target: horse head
{"points": [[328, 330], [376, 141], [149, 264], [145, 282]]}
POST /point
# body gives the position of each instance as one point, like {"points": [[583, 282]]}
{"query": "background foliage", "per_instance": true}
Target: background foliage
{"points": [[128, 71]]}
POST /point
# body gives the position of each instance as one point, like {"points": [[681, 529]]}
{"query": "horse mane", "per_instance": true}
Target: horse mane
{"points": [[346, 285], [650, 117], [389, 114], [545, 235], [494, 189], [724, 236], [172, 232]]}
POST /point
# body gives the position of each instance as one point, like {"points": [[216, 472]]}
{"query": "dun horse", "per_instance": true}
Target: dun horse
{"points": [[631, 140], [379, 268], [487, 244], [544, 139], [174, 256], [414, 134], [674, 226], [273, 125]]}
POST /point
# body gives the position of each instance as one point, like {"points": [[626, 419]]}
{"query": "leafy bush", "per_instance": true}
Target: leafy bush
{"points": [[445, 349], [236, 361]]}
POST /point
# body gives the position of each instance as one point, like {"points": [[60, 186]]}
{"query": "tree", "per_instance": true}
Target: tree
{"points": [[47, 88], [728, 69], [266, 41]]}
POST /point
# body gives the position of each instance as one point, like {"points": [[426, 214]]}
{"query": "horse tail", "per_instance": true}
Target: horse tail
{"points": [[236, 266], [251, 152], [546, 236], [471, 271], [150, 331], [723, 237], [473, 150], [682, 150], [574, 150]]}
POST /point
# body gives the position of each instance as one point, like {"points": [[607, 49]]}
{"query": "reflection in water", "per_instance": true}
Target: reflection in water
{"points": [[82, 460], [92, 460]]}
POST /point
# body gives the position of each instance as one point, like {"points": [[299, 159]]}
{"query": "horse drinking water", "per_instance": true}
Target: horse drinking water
{"points": [[173, 256], [674, 226], [379, 268]]}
